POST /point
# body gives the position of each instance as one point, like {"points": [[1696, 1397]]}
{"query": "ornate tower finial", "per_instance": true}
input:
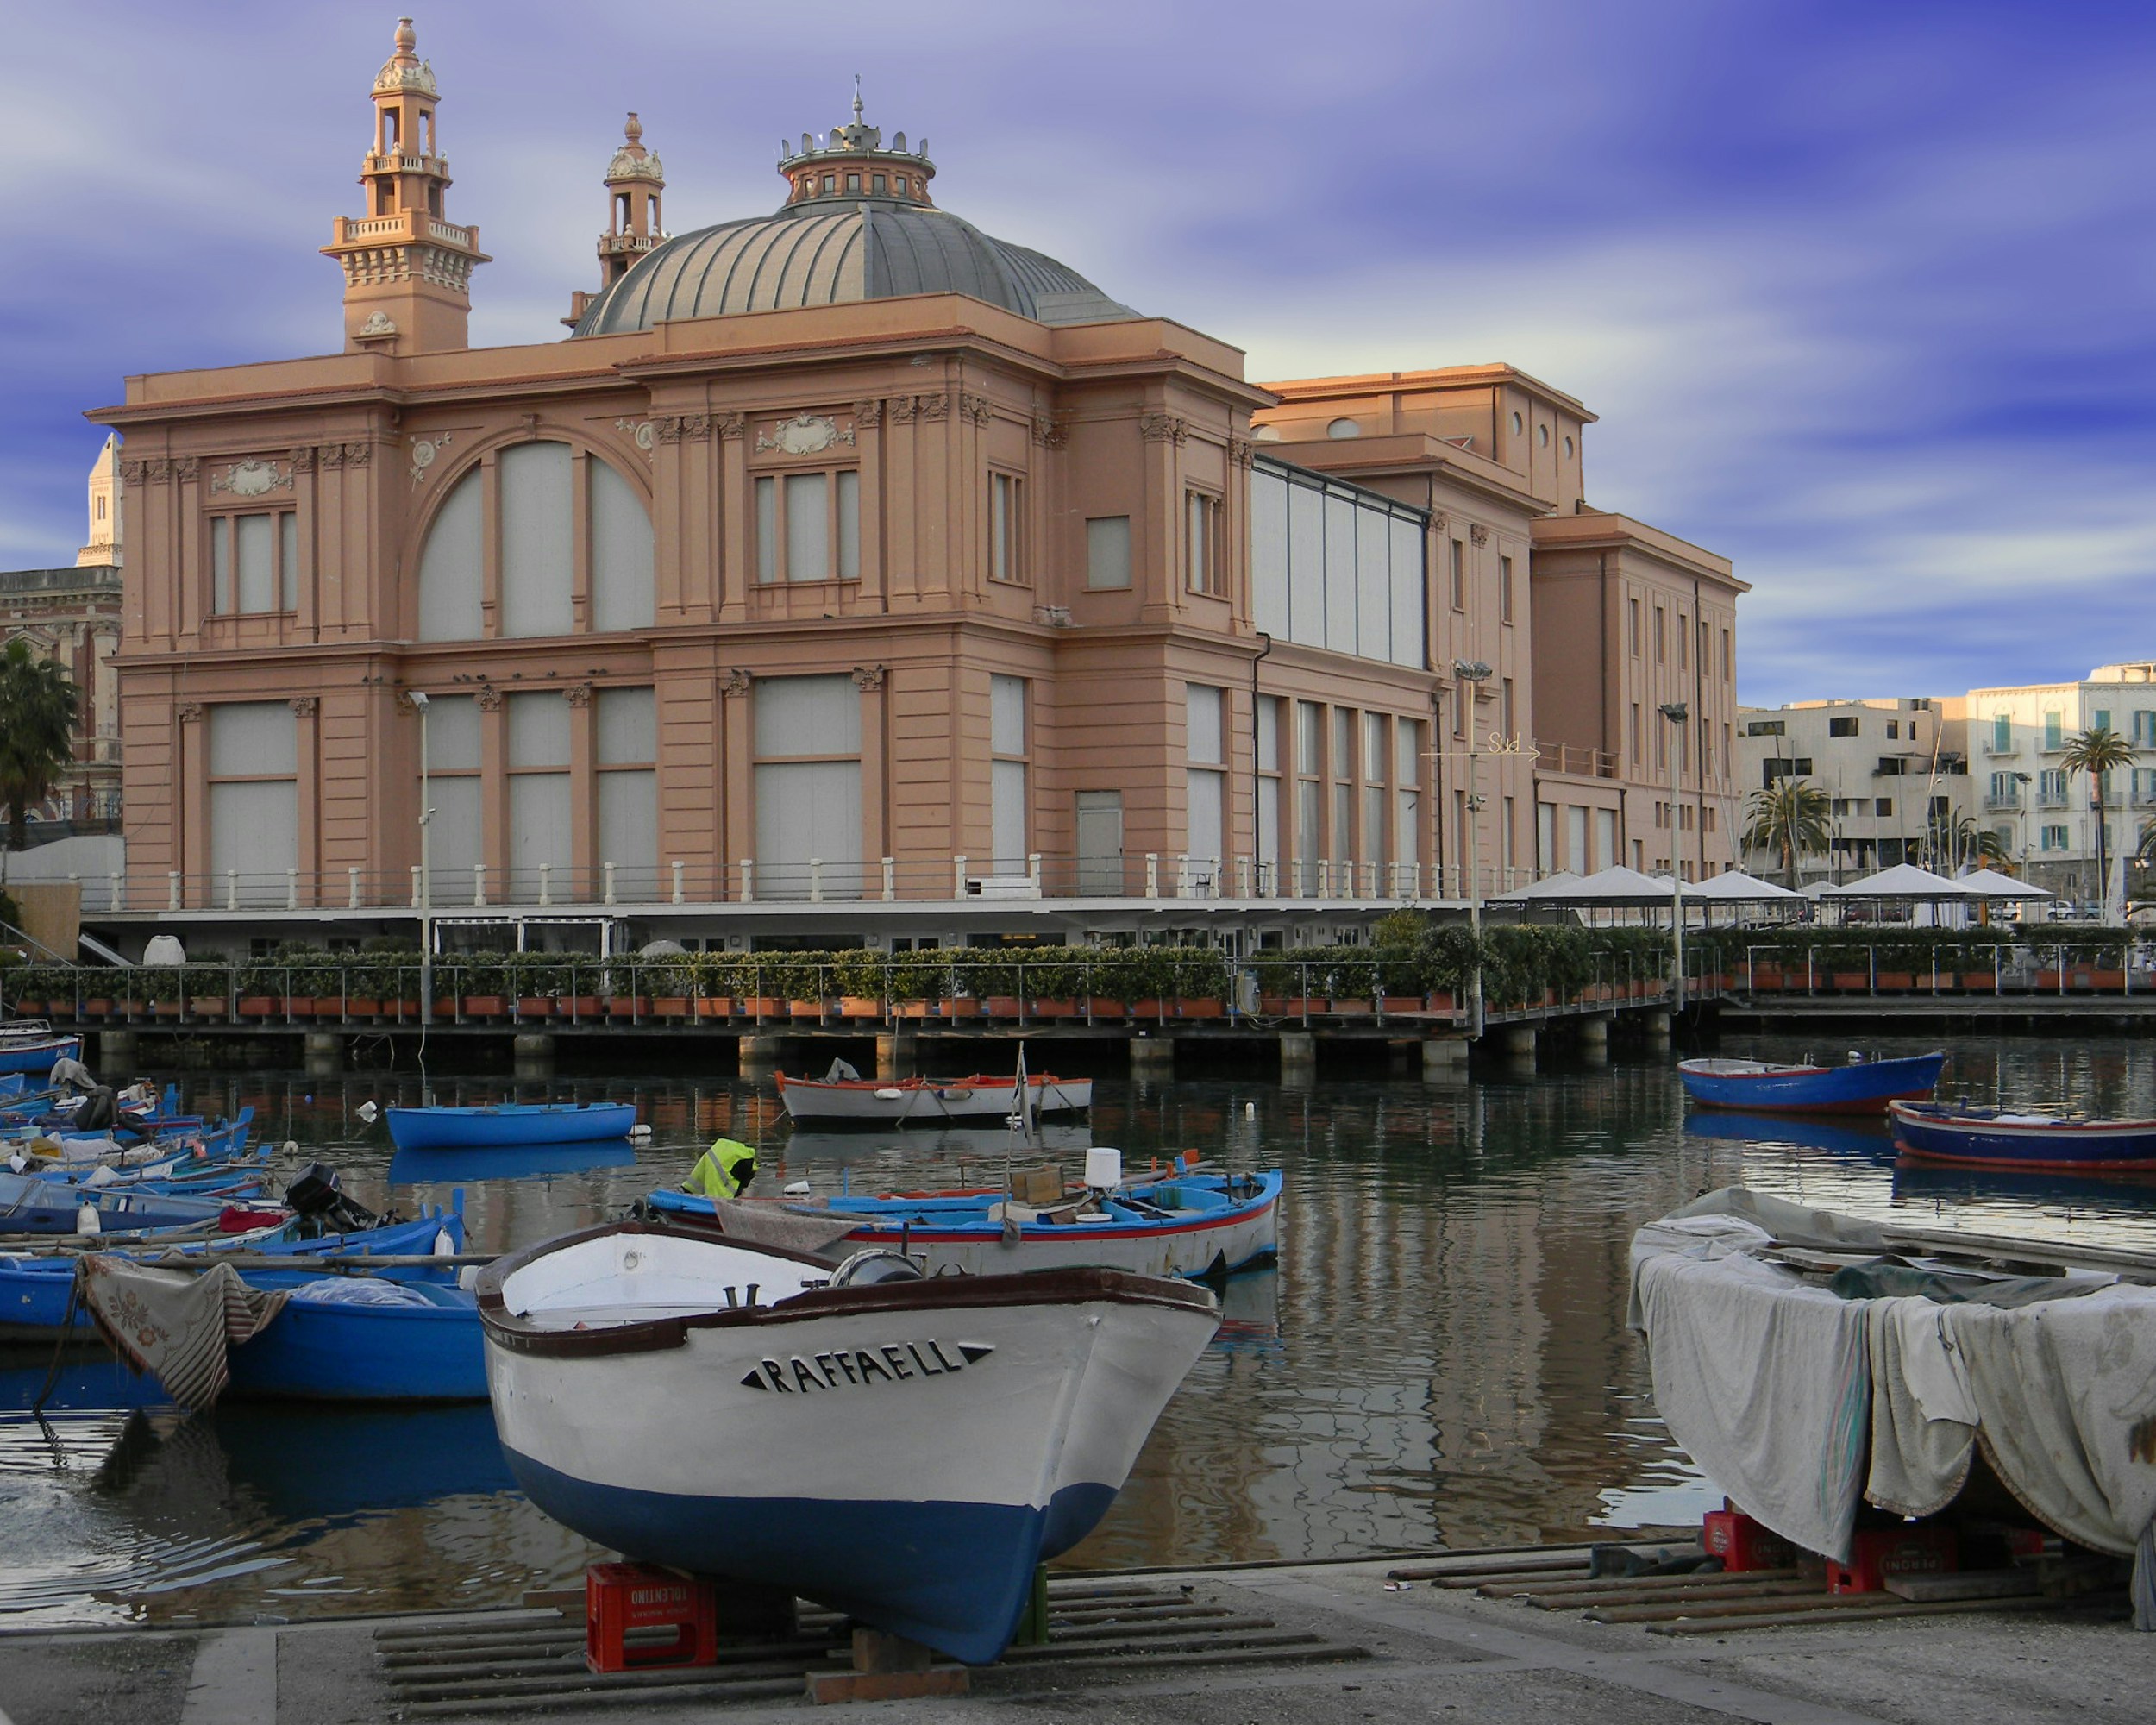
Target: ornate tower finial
{"points": [[853, 162], [407, 270], [856, 99], [635, 180]]}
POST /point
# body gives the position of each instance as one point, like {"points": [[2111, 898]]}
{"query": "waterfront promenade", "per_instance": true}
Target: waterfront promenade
{"points": [[1420, 1655]]}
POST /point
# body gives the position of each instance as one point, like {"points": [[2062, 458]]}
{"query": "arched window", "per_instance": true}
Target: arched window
{"points": [[542, 559]]}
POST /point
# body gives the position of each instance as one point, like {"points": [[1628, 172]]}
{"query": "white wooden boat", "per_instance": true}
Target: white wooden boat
{"points": [[982, 1098], [904, 1450]]}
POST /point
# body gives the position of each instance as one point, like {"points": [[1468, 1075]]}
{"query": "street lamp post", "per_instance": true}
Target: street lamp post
{"points": [[1471, 675], [426, 868], [1677, 712]]}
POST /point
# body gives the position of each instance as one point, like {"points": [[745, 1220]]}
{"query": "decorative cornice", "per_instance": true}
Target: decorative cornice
{"points": [[934, 406], [358, 454], [1051, 430], [303, 458], [305, 706], [188, 712], [1162, 428], [578, 695], [333, 455], [187, 468], [732, 426], [867, 415], [1479, 534], [867, 677], [733, 680], [134, 473], [977, 408], [1440, 522], [489, 698], [1240, 450]]}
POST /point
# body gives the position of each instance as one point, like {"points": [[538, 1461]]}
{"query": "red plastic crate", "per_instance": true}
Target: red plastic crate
{"points": [[622, 1600], [1742, 1544], [1878, 1552]]}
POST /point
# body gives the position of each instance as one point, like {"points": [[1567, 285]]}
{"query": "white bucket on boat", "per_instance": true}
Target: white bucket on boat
{"points": [[1104, 1168]]}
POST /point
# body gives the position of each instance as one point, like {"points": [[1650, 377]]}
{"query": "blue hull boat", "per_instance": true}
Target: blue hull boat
{"points": [[1972, 1137], [428, 1348], [1857, 1140], [510, 1124], [1863, 1087], [33, 1048], [29, 1205], [34, 1291]]}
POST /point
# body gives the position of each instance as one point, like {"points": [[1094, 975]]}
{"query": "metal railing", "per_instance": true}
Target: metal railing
{"points": [[2123, 968]]}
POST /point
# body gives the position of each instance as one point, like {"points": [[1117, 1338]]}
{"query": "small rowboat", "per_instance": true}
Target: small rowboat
{"points": [[510, 1123], [30, 1045], [929, 1101], [905, 1449], [1974, 1136], [1863, 1087]]}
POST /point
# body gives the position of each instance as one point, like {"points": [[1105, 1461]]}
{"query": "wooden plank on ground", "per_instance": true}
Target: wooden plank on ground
{"points": [[1975, 1583]]}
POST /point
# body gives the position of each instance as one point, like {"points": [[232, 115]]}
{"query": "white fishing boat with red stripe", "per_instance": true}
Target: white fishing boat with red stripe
{"points": [[982, 1099]]}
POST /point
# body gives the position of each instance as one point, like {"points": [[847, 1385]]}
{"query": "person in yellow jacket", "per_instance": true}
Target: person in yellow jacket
{"points": [[723, 1170]]}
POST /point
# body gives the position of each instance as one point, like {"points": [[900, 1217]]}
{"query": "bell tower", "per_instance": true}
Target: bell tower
{"points": [[407, 268], [635, 179]]}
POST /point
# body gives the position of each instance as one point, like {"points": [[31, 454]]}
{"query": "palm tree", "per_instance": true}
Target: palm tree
{"points": [[1990, 851], [2097, 751], [37, 733], [1789, 818]]}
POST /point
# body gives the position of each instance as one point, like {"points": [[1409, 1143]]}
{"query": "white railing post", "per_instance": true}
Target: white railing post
{"points": [[958, 877], [678, 896], [415, 886], [1152, 874], [1325, 877], [292, 890], [1242, 877], [1033, 870], [816, 879], [1219, 884], [748, 880], [171, 884], [116, 892], [479, 884], [1295, 877], [1183, 876], [232, 889], [352, 887], [607, 877], [546, 885], [890, 878]]}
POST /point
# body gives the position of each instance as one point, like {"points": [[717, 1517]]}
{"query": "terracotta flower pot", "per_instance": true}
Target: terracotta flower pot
{"points": [[299, 1006], [914, 1009], [207, 1006], [1005, 1007], [670, 1006], [581, 1006], [1272, 1006], [99, 1008], [859, 1007], [715, 1007], [632, 1006], [485, 1006], [1054, 1009], [1148, 1009], [535, 1007], [1897, 982], [362, 1007], [1201, 1007], [1298, 1005], [1108, 1009], [166, 1009], [1441, 1002], [1354, 1009], [762, 1007], [1852, 981], [965, 1007], [805, 1009]]}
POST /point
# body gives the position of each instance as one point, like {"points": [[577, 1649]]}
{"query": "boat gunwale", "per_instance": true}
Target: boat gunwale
{"points": [[1072, 1285]]}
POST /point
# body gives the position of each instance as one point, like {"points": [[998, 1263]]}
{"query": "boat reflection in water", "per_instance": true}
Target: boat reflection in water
{"points": [[507, 1162], [1861, 1142], [978, 1150], [2091, 1193]]}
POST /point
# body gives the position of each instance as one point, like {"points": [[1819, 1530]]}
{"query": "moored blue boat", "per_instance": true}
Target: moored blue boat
{"points": [[510, 1123], [30, 1045], [1862, 1087], [1969, 1136], [29, 1205], [361, 1340]]}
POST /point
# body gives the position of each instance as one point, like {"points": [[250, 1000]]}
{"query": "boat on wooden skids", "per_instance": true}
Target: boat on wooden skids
{"points": [[32, 1045], [981, 1099], [1811, 1364], [1187, 1222], [1859, 1087], [495, 1125], [1968, 1135], [906, 1449]]}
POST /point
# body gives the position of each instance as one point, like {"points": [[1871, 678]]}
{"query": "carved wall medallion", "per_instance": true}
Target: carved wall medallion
{"points": [[187, 712], [424, 451], [1051, 430], [185, 468], [304, 705], [303, 458], [640, 432], [867, 415], [806, 433], [489, 698], [976, 408], [1479, 534], [734, 681], [934, 406], [1240, 450], [868, 677], [731, 426], [333, 455], [379, 323], [1162, 428], [902, 409], [1441, 523], [578, 695]]}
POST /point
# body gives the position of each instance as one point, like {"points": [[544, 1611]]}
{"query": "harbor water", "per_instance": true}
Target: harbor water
{"points": [[1440, 1357]]}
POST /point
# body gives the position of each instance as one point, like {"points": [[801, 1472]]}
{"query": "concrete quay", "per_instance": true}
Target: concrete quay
{"points": [[1363, 1653]]}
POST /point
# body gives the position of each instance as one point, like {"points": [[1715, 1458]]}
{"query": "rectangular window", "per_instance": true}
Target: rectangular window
{"points": [[808, 785], [2050, 785], [2053, 838], [1309, 738], [1308, 821], [1766, 727], [626, 802], [1007, 528], [2102, 719], [1108, 552], [1725, 671], [1459, 576], [1201, 547], [1632, 626], [1661, 636], [539, 728], [1269, 762], [1635, 755], [1007, 736], [1343, 743], [1506, 714], [1683, 658], [1205, 751], [1374, 747], [1203, 737], [2145, 729], [254, 562], [1883, 805], [2001, 733], [1407, 746], [1894, 730], [1841, 727], [2054, 731], [808, 526], [254, 797], [1504, 590]]}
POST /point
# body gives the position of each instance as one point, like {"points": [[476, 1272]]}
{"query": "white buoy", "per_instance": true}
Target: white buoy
{"points": [[368, 1112], [640, 1132], [1250, 1111], [444, 1244], [799, 1189], [1104, 1168], [890, 1095], [87, 1221], [292, 1148]]}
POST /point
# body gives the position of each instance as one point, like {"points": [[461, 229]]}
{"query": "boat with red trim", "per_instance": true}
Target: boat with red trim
{"points": [[1861, 1087], [983, 1097], [1967, 1135]]}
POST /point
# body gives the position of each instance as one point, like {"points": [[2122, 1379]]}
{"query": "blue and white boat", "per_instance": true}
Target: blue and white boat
{"points": [[906, 1449], [361, 1338], [510, 1123], [31, 1046], [1971, 1136], [29, 1205], [1188, 1225], [1862, 1087], [36, 1284]]}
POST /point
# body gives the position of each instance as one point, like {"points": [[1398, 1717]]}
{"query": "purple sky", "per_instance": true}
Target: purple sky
{"points": [[1862, 294]]}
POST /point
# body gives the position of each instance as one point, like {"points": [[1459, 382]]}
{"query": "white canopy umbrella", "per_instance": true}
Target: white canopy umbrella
{"points": [[1618, 885], [1550, 887], [1994, 885], [1904, 880], [1737, 888]]}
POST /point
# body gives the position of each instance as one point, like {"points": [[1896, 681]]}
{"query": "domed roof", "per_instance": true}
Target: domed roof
{"points": [[838, 240]]}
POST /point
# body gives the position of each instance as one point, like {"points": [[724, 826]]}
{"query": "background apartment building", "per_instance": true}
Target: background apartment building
{"points": [[2045, 817], [1896, 773]]}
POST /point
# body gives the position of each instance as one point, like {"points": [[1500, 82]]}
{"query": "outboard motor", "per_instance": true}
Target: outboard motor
{"points": [[873, 1264], [317, 1197]]}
